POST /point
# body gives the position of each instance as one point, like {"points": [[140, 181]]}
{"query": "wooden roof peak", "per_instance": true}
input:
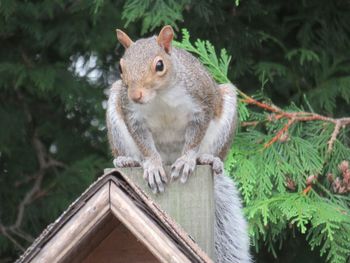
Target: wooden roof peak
{"points": [[114, 194]]}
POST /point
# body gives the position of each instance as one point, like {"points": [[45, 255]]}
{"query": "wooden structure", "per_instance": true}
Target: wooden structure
{"points": [[114, 220]]}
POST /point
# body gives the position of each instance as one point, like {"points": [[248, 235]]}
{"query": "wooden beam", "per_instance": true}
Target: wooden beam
{"points": [[71, 234], [120, 246], [191, 205], [144, 228], [92, 239]]}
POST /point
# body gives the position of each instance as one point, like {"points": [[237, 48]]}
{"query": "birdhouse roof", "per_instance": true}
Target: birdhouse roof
{"points": [[114, 195]]}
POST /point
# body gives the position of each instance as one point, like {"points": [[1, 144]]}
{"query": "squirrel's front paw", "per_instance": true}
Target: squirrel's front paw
{"points": [[154, 174], [125, 161], [183, 167], [215, 162]]}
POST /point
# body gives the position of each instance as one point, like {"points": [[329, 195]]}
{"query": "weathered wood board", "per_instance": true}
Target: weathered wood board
{"points": [[120, 246], [191, 204]]}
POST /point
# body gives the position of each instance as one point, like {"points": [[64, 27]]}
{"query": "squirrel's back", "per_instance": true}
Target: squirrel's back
{"points": [[198, 80]]}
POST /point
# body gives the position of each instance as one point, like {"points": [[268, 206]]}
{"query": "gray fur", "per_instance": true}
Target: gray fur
{"points": [[186, 117], [231, 238]]}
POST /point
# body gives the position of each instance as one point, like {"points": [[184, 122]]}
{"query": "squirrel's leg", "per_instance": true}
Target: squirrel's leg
{"points": [[130, 150], [125, 161], [215, 162], [185, 165], [219, 136], [152, 165], [123, 147]]}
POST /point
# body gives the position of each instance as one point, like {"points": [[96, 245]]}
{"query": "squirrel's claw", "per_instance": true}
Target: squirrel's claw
{"points": [[125, 161], [184, 167], [154, 182], [215, 162], [155, 175]]}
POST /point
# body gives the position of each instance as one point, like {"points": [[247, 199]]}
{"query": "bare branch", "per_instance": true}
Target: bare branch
{"points": [[249, 123], [3, 230], [23, 235], [54, 163], [296, 116], [334, 135], [280, 133], [41, 156], [45, 162], [25, 181]]}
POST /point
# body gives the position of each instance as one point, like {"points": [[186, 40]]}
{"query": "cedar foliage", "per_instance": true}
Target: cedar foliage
{"points": [[292, 58], [284, 184]]}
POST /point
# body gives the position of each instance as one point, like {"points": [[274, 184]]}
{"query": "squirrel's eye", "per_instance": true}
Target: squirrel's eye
{"points": [[120, 69], [160, 66]]}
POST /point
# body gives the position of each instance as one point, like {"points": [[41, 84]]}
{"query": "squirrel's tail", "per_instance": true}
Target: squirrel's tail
{"points": [[231, 232]]}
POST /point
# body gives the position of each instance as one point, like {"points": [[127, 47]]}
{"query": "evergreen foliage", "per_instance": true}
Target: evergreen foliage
{"points": [[290, 157], [284, 184]]}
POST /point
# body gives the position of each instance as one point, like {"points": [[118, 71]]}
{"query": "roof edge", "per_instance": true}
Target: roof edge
{"points": [[173, 230]]}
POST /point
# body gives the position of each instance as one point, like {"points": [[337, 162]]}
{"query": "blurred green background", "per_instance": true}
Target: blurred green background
{"points": [[58, 59]]}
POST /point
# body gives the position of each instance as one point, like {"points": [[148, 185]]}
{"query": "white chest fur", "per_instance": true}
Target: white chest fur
{"points": [[168, 114]]}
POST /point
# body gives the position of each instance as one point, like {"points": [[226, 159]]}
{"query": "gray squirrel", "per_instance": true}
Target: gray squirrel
{"points": [[167, 110]]}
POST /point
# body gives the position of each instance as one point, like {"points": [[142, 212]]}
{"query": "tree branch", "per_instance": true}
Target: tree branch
{"points": [[296, 116], [45, 162], [39, 175], [280, 133], [3, 230], [334, 135]]}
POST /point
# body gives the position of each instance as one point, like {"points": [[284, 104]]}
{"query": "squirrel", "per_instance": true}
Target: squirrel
{"points": [[167, 109]]}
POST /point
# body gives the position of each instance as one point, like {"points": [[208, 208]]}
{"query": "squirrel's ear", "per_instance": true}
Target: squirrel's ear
{"points": [[165, 37], [123, 38]]}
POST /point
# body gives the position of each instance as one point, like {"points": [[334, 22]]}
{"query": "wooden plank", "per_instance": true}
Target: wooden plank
{"points": [[144, 228], [120, 246], [100, 231], [69, 236], [191, 205]]}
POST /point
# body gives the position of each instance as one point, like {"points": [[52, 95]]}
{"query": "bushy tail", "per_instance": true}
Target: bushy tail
{"points": [[231, 233]]}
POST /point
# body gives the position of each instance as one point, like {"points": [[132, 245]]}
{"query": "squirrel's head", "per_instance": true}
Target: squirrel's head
{"points": [[146, 66]]}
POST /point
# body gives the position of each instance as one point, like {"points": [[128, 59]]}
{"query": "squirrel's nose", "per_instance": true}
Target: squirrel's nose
{"points": [[136, 95]]}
